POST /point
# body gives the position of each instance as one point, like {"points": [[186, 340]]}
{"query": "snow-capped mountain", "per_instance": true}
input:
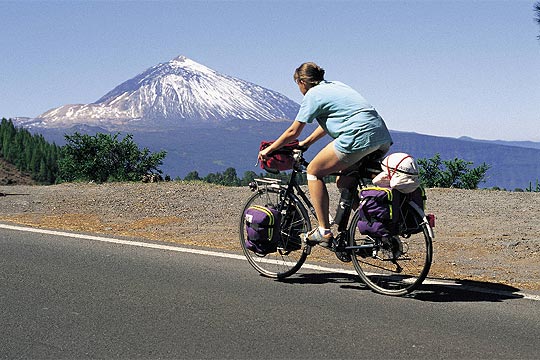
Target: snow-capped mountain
{"points": [[169, 94]]}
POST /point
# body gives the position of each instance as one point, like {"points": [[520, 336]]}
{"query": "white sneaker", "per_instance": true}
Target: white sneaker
{"points": [[314, 237]]}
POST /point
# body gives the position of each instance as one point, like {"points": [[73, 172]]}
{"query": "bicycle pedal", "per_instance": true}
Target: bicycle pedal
{"points": [[343, 256], [309, 243]]}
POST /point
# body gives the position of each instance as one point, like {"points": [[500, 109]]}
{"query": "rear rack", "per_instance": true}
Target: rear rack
{"points": [[266, 183]]}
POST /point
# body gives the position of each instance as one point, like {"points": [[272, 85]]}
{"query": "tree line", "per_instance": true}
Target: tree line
{"points": [[434, 172], [31, 154], [99, 158], [107, 157], [230, 178]]}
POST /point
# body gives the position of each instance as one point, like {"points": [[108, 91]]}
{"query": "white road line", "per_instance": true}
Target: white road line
{"points": [[242, 257], [124, 242]]}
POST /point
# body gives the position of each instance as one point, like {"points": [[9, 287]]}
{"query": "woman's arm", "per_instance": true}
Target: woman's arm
{"points": [[315, 135], [288, 135]]}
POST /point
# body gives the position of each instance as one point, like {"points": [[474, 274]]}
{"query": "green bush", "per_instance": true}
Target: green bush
{"points": [[455, 173], [104, 157]]}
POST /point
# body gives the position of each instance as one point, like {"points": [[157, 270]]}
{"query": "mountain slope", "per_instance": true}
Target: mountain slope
{"points": [[525, 144], [170, 94], [510, 166]]}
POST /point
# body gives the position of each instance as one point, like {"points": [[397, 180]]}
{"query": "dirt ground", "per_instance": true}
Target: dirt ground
{"points": [[9, 175], [481, 235]]}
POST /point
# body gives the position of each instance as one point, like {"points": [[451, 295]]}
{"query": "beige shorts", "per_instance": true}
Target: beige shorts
{"points": [[353, 158]]}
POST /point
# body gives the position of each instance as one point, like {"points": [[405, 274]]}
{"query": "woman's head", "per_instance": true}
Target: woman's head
{"points": [[309, 73]]}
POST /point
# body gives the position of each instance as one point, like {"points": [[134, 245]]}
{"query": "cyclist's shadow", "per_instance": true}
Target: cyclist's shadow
{"points": [[453, 291], [348, 281], [466, 291]]}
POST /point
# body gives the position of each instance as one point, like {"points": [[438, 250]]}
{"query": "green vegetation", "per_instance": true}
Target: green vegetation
{"points": [[454, 173], [104, 157], [434, 172], [31, 154], [99, 158], [230, 177], [532, 188]]}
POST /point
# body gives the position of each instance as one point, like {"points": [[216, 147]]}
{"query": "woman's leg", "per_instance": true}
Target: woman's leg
{"points": [[324, 163], [327, 162]]}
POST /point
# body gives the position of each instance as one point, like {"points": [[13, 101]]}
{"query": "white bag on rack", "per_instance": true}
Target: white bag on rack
{"points": [[400, 172]]}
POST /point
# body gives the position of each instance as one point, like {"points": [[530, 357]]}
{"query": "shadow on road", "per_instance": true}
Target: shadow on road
{"points": [[466, 291], [344, 280], [453, 291]]}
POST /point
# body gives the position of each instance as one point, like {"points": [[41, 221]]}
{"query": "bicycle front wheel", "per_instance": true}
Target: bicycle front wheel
{"points": [[393, 265], [290, 254]]}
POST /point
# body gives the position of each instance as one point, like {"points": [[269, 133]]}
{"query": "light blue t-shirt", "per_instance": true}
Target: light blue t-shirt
{"points": [[345, 115]]}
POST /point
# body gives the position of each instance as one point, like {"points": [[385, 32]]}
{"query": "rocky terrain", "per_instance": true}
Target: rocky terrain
{"points": [[481, 235]]}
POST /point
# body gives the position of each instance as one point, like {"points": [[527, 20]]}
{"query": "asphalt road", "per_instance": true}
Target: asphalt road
{"points": [[65, 297]]}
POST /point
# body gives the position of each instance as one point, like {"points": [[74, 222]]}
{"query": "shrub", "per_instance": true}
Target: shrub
{"points": [[104, 157], [455, 173]]}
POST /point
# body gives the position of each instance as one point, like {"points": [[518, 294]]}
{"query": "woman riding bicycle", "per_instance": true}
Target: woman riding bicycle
{"points": [[356, 127]]}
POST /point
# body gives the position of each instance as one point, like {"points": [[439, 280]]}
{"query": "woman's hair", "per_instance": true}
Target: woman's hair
{"points": [[310, 73]]}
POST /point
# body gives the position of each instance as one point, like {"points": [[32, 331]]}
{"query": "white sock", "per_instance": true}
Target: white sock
{"points": [[324, 231]]}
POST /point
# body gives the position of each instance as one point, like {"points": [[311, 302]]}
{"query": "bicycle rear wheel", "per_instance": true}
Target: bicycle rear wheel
{"points": [[290, 254], [394, 265]]}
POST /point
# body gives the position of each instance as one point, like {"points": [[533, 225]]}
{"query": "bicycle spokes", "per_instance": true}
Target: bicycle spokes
{"points": [[289, 255], [391, 265]]}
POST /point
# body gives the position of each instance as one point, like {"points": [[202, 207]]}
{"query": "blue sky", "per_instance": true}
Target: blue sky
{"points": [[449, 68]]}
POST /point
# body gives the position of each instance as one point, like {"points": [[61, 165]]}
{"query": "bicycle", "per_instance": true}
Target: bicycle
{"points": [[394, 265]]}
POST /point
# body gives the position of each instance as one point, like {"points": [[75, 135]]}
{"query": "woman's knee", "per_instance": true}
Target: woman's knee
{"points": [[324, 163], [313, 170]]}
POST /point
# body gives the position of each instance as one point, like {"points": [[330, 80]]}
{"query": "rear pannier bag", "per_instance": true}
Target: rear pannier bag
{"points": [[262, 228], [418, 197], [383, 209], [376, 211]]}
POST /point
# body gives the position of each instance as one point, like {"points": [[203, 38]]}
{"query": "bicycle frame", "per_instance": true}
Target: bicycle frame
{"points": [[292, 187], [362, 170]]}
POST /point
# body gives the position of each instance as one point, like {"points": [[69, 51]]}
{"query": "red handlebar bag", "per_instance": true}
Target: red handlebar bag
{"points": [[281, 159]]}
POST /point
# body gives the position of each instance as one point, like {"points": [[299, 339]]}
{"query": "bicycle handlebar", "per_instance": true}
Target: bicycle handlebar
{"points": [[297, 154]]}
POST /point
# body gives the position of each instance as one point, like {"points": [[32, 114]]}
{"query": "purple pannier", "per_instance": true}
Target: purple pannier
{"points": [[373, 228], [376, 212], [384, 209], [262, 228]]}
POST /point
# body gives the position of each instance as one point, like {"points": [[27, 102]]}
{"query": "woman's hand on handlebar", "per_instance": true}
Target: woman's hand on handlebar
{"points": [[303, 146], [263, 154]]}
